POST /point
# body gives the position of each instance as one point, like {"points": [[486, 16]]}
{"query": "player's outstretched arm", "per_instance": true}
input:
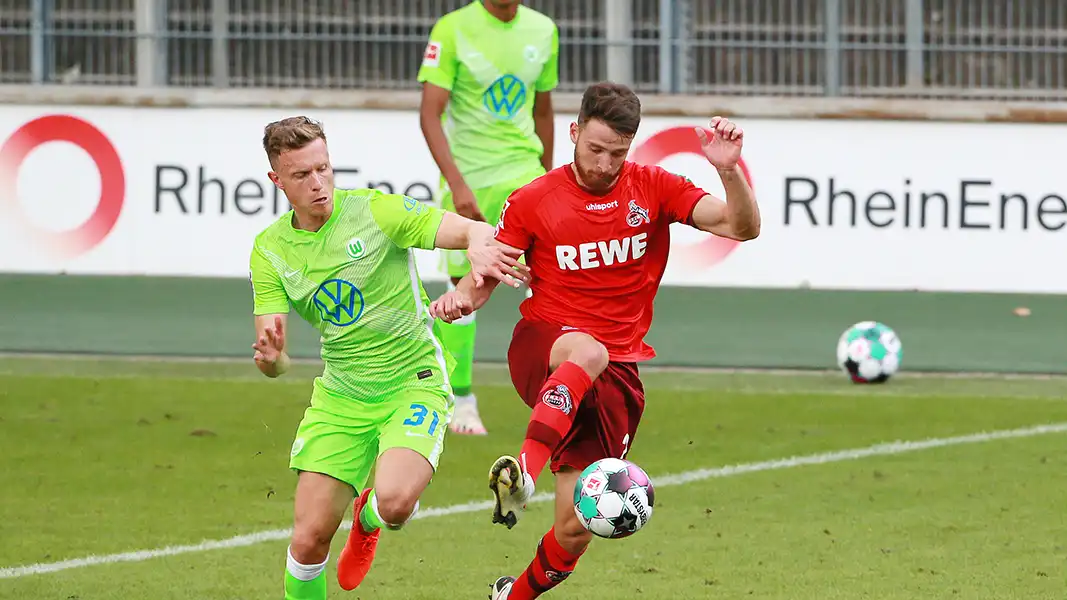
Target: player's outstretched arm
{"points": [[271, 357], [489, 258], [738, 217]]}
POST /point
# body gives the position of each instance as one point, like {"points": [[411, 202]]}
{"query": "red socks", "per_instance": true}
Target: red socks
{"points": [[553, 415], [549, 568]]}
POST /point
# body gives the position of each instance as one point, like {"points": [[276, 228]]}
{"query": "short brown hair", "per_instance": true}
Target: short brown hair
{"points": [[292, 133], [614, 104]]}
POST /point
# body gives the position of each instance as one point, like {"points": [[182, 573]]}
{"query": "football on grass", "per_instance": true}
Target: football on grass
{"points": [[869, 352]]}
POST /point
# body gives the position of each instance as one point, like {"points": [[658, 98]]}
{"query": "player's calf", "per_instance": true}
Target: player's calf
{"points": [[572, 536], [552, 565], [319, 507]]}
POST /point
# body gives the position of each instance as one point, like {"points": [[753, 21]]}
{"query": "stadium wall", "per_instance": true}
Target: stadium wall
{"points": [[863, 204]]}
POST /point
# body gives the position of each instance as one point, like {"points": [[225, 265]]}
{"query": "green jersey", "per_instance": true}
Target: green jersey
{"points": [[493, 70], [355, 280]]}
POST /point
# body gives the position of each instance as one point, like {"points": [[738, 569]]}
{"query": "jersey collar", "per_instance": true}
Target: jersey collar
{"points": [[495, 22]]}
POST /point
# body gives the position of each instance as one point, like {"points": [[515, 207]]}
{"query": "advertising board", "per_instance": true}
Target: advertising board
{"points": [[845, 204]]}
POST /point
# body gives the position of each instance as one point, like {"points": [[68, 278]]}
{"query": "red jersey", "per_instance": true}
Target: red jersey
{"points": [[597, 261]]}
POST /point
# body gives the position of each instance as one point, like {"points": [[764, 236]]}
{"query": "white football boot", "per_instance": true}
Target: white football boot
{"points": [[501, 588], [512, 487], [465, 419]]}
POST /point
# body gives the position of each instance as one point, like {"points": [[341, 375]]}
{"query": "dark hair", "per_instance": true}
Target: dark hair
{"points": [[614, 104], [292, 133]]}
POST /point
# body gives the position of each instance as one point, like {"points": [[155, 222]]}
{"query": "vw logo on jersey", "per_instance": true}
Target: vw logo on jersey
{"points": [[505, 97], [339, 302]]}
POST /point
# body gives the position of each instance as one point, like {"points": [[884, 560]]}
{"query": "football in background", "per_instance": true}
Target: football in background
{"points": [[869, 352]]}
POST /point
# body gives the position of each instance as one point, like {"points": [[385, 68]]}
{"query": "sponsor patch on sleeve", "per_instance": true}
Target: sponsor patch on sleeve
{"points": [[432, 56]]}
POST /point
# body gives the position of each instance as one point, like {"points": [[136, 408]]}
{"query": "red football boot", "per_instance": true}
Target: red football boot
{"points": [[358, 554]]}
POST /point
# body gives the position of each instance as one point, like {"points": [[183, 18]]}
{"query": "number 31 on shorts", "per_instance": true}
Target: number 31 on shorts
{"points": [[418, 417]]}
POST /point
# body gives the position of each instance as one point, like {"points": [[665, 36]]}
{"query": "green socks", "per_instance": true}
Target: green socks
{"points": [[458, 338], [304, 582], [371, 520], [368, 517]]}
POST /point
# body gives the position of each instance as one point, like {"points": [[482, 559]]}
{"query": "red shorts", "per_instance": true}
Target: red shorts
{"points": [[606, 420]]}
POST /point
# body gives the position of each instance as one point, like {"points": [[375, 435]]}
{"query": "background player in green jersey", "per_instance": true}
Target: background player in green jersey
{"points": [[344, 260], [492, 66]]}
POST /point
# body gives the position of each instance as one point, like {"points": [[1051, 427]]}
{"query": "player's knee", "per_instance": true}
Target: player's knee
{"points": [[396, 509], [310, 545], [590, 355]]}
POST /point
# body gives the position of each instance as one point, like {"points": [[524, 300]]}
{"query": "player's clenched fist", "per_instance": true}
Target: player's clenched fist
{"points": [[721, 142], [451, 306]]}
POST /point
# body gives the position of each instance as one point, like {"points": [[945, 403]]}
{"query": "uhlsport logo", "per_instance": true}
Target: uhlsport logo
{"points": [[339, 302], [81, 133], [505, 97], [602, 205], [683, 140]]}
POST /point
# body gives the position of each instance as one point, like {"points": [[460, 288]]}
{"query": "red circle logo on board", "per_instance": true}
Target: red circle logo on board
{"points": [[81, 133]]}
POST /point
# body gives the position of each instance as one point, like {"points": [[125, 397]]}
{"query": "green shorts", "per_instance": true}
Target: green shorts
{"points": [[343, 438], [491, 202]]}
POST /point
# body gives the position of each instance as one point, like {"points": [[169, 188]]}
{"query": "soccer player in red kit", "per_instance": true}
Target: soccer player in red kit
{"points": [[596, 238]]}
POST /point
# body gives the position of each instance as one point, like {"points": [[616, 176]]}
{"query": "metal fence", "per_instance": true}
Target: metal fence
{"points": [[872, 48]]}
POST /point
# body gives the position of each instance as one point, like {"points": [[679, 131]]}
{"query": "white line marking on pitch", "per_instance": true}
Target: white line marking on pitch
{"points": [[888, 449]]}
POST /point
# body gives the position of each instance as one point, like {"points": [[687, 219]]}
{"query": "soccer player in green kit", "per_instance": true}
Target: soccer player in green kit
{"points": [[344, 260], [492, 66]]}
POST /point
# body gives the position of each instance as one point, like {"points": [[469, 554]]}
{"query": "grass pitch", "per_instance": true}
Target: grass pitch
{"points": [[110, 456]]}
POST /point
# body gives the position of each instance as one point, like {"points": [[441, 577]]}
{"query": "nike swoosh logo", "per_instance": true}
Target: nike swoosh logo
{"points": [[291, 273]]}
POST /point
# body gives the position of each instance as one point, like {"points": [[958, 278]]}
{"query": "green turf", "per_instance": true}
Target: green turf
{"points": [[104, 456], [693, 326]]}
